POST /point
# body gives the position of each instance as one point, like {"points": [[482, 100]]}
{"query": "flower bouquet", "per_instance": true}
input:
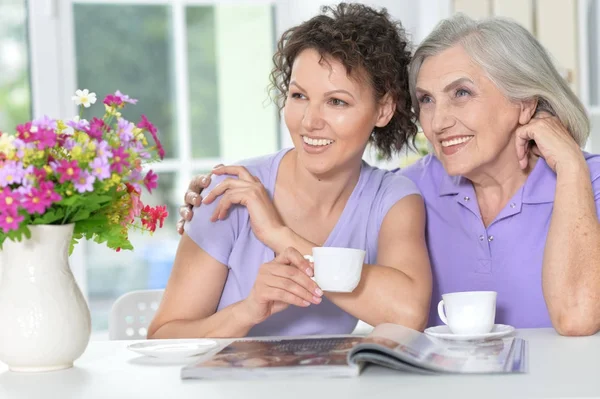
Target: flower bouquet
{"points": [[89, 174], [61, 181]]}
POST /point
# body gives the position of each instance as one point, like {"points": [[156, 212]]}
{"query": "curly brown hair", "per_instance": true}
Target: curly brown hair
{"points": [[366, 41]]}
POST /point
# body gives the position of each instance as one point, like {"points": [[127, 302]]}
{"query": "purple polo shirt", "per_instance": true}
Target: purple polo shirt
{"points": [[505, 257]]}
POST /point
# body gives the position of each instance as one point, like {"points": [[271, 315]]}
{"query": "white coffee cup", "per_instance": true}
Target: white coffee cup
{"points": [[470, 312], [337, 269]]}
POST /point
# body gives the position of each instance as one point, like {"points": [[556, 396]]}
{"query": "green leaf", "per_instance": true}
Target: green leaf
{"points": [[81, 215], [51, 216], [69, 201]]}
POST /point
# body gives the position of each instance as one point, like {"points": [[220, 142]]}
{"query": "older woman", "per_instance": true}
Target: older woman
{"points": [[512, 201], [343, 77]]}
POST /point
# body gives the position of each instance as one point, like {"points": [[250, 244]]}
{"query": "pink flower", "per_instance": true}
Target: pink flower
{"points": [[36, 202], [40, 173], [47, 187], [67, 170], [9, 220], [119, 160], [96, 129], [151, 181], [113, 101], [46, 138], [9, 200], [24, 132], [146, 124]]}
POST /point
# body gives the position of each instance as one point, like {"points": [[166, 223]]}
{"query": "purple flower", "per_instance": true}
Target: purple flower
{"points": [[11, 173], [21, 146], [125, 130], [77, 124], [100, 168], [24, 190], [84, 182], [141, 150], [70, 143], [45, 122], [103, 151], [125, 98]]}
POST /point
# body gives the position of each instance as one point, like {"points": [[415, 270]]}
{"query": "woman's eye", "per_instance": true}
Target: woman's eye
{"points": [[462, 93], [297, 95], [424, 99], [337, 102]]}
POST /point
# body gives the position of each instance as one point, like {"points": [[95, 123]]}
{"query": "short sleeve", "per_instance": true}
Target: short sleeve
{"points": [[215, 238], [394, 187], [596, 188]]}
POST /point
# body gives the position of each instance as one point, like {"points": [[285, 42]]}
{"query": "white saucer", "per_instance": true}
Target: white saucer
{"points": [[443, 332], [173, 348]]}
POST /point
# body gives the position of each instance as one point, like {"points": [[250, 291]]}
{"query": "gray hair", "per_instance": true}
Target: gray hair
{"points": [[513, 60]]}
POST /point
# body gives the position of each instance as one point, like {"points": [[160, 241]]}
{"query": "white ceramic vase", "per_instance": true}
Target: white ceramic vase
{"points": [[44, 319]]}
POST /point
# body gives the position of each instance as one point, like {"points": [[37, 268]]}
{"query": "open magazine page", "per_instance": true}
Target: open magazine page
{"points": [[322, 356], [402, 348]]}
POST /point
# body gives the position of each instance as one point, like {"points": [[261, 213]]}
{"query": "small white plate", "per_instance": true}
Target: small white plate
{"points": [[173, 349], [443, 332]]}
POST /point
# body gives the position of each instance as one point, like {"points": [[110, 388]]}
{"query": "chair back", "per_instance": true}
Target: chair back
{"points": [[131, 314]]}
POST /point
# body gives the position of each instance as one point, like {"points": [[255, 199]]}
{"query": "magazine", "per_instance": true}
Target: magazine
{"points": [[388, 345]]}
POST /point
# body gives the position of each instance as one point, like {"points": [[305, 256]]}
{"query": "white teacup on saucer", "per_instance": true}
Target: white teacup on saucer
{"points": [[468, 313]]}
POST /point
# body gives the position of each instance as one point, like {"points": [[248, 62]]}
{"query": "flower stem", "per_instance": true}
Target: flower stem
{"points": [[67, 211]]}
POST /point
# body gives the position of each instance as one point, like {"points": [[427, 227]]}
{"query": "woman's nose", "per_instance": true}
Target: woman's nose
{"points": [[442, 118], [312, 119]]}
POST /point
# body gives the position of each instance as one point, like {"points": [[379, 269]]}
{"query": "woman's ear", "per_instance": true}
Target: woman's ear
{"points": [[528, 108], [387, 107]]}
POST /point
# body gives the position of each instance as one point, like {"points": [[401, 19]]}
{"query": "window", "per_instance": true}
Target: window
{"points": [[200, 71], [15, 105]]}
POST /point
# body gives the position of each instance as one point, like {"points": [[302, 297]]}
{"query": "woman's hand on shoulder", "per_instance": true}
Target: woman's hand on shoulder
{"points": [[280, 283], [546, 137], [247, 190], [191, 199]]}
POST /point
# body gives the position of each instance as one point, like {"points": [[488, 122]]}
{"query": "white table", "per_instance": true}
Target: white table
{"points": [[558, 367]]}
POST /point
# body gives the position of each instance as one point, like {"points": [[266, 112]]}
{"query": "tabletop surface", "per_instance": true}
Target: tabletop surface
{"points": [[559, 367]]}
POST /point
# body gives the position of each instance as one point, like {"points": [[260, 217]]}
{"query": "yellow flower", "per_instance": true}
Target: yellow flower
{"points": [[112, 111], [76, 152], [115, 178], [48, 169], [69, 193], [91, 146], [61, 126], [80, 137]]}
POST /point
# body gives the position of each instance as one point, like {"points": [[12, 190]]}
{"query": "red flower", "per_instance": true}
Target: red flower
{"points": [[152, 216]]}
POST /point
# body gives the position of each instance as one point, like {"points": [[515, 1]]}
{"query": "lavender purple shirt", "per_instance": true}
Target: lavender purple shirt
{"points": [[232, 243], [507, 255]]}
